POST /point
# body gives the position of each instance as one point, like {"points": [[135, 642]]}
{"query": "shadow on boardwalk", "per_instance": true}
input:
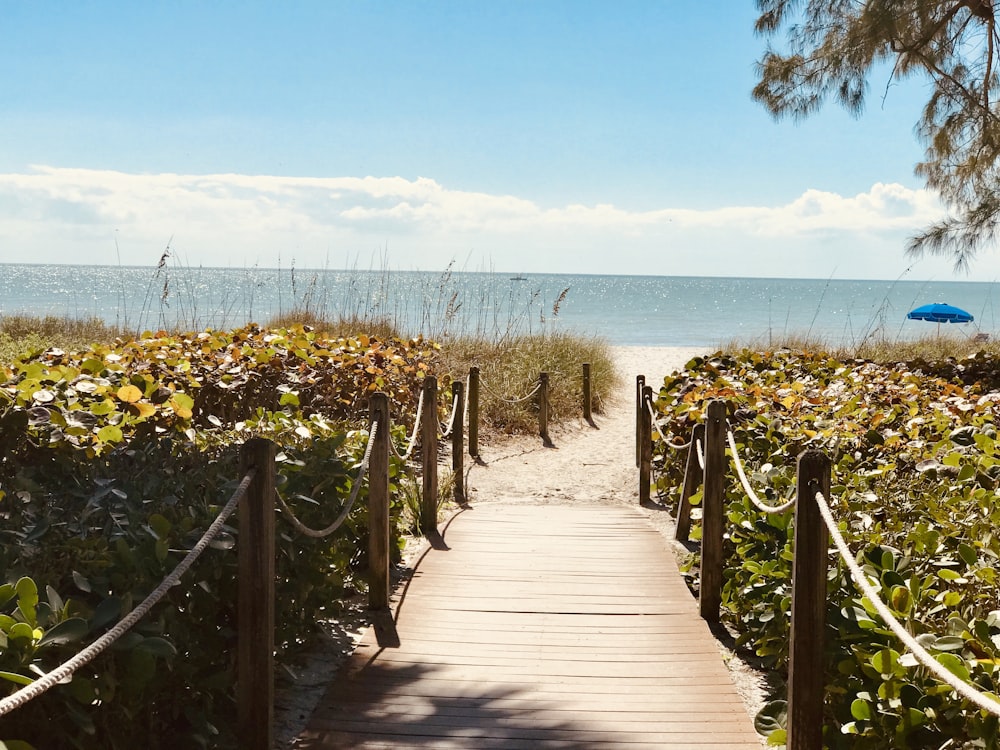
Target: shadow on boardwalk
{"points": [[538, 626], [413, 706]]}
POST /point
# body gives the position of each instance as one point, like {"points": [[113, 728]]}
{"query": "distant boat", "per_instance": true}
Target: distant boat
{"points": [[518, 278]]}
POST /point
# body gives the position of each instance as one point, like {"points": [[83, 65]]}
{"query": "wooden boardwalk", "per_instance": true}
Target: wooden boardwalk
{"points": [[543, 627]]}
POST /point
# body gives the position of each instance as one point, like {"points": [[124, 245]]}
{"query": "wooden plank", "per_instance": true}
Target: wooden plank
{"points": [[539, 627]]}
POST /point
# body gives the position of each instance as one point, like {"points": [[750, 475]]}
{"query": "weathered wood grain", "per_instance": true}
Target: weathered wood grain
{"points": [[539, 627]]}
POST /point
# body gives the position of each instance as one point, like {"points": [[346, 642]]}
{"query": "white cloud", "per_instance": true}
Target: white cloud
{"points": [[61, 215]]}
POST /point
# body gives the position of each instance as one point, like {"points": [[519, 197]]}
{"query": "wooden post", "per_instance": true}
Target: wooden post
{"points": [[458, 441], [640, 383], [712, 519], [378, 506], [543, 405], [693, 476], [587, 393], [646, 446], [473, 411], [806, 681], [429, 457], [255, 605]]}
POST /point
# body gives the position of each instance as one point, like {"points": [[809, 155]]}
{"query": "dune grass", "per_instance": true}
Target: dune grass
{"points": [[24, 334], [931, 347], [509, 371]]}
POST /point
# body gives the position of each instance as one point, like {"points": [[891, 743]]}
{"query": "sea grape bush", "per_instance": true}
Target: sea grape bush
{"points": [[163, 382], [916, 469], [133, 457]]}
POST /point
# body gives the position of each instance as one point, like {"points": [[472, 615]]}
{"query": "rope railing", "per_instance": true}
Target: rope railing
{"points": [[534, 392], [664, 438], [412, 441], [964, 689], [67, 668], [355, 491], [814, 528], [758, 503], [446, 432]]}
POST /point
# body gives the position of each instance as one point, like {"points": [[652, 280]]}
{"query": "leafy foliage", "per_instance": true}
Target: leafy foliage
{"points": [[916, 467], [832, 48], [114, 461]]}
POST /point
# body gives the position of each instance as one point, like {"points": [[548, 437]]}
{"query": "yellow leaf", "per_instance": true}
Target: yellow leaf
{"points": [[180, 409], [789, 401], [144, 409], [129, 394]]}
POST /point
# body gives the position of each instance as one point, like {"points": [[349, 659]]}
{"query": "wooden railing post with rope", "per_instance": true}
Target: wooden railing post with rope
{"points": [[814, 528], [473, 411], [458, 441], [543, 405], [640, 382], [712, 511], [805, 653], [378, 505], [255, 599], [645, 444], [255, 498], [429, 457]]}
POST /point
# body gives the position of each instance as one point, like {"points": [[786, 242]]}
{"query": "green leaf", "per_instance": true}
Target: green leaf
{"points": [[7, 592], [110, 434], [900, 599], [107, 612], [55, 601], [16, 745], [67, 631], [968, 553], [289, 398], [22, 631], [160, 525], [27, 599], [861, 709], [81, 583], [953, 664], [771, 718], [886, 662], [20, 679]]}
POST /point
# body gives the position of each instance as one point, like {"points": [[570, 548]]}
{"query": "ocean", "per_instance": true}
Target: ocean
{"points": [[626, 310]]}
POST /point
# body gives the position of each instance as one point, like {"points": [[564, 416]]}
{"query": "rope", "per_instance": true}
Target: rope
{"points": [[413, 437], [666, 441], [535, 390], [746, 484], [67, 668], [964, 690], [320, 534], [701, 454], [451, 420]]}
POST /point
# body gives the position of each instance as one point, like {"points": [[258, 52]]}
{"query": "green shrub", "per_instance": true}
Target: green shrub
{"points": [[916, 467]]}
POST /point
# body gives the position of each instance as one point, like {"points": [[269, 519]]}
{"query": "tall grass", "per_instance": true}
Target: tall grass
{"points": [[931, 347], [511, 336], [509, 371], [23, 334]]}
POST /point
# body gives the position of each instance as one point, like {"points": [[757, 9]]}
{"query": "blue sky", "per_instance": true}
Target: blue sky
{"points": [[602, 137]]}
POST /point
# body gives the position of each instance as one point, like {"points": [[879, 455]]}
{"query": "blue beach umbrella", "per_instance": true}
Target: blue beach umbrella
{"points": [[939, 312]]}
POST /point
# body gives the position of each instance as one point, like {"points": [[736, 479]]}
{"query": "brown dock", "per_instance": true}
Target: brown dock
{"points": [[543, 627]]}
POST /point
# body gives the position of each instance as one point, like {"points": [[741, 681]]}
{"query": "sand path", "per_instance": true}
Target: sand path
{"points": [[584, 463]]}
